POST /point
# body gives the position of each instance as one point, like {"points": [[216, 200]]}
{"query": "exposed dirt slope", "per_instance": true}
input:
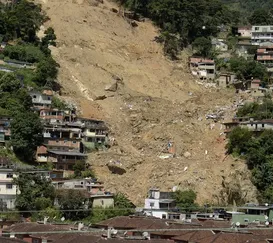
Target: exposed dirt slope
{"points": [[156, 101]]}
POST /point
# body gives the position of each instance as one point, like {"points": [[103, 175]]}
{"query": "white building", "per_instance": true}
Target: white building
{"points": [[159, 204], [261, 33], [245, 31], [8, 190], [41, 100], [258, 126]]}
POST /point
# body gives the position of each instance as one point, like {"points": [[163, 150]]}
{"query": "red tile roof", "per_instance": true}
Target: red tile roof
{"points": [[10, 240], [42, 149], [48, 92]]}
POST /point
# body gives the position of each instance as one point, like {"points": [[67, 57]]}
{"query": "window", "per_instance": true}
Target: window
{"points": [[9, 175], [34, 96], [246, 220], [152, 204], [74, 142], [256, 28], [164, 216], [9, 186], [35, 241], [48, 98]]}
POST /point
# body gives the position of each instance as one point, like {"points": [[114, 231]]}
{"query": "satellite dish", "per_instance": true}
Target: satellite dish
{"points": [[114, 232], [63, 219], [237, 224], [266, 204], [145, 234], [266, 223], [266, 217]]}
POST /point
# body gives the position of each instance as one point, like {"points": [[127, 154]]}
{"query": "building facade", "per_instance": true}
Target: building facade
{"points": [[261, 33], [159, 204]]}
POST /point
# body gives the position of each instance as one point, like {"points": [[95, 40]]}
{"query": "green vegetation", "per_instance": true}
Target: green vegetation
{"points": [[258, 153], [25, 52], [256, 110], [182, 21], [248, 69], [26, 134], [26, 127], [20, 20], [202, 46], [36, 192], [18, 26], [185, 200], [57, 103], [122, 207], [74, 200]]}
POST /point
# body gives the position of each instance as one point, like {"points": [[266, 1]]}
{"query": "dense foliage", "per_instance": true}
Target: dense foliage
{"points": [[256, 110], [258, 153], [74, 200], [185, 200], [182, 21], [246, 70], [26, 127], [20, 20], [36, 192]]}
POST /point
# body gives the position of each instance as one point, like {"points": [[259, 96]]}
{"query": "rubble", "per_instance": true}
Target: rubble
{"points": [[112, 87]]}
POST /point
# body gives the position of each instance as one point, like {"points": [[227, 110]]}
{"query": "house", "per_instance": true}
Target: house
{"points": [[252, 214], [8, 171], [219, 45], [261, 33], [226, 79], [56, 233], [245, 31], [10, 240], [41, 100], [254, 126], [64, 160], [8, 190], [95, 190], [265, 55], [95, 134], [159, 204], [255, 84], [203, 68]]}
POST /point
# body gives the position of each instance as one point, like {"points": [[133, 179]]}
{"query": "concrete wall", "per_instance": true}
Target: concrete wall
{"points": [[151, 203], [104, 202]]}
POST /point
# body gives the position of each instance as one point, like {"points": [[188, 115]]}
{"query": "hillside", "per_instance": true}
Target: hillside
{"points": [[156, 101]]}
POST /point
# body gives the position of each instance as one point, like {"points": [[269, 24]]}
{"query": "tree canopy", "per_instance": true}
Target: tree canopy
{"points": [[36, 192], [185, 199]]}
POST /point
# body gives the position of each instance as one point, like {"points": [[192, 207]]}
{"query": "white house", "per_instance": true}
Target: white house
{"points": [[8, 190], [258, 126], [159, 204], [41, 100], [261, 33]]}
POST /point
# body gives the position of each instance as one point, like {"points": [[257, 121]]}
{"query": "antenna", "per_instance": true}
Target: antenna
{"points": [[266, 223]]}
